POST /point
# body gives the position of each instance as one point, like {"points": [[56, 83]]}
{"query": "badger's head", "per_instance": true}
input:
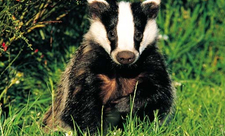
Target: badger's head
{"points": [[123, 29]]}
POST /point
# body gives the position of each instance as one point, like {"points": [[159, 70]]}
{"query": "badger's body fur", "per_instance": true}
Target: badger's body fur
{"points": [[108, 65]]}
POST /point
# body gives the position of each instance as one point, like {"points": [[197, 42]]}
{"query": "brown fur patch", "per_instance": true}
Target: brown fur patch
{"points": [[128, 85], [79, 72], [87, 49], [78, 88], [109, 87]]}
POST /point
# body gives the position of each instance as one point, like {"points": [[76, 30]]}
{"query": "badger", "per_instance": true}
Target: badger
{"points": [[117, 60]]}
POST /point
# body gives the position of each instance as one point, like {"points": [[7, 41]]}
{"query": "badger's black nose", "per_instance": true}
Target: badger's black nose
{"points": [[125, 57]]}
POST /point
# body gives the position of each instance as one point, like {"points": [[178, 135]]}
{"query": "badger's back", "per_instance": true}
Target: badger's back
{"points": [[118, 57]]}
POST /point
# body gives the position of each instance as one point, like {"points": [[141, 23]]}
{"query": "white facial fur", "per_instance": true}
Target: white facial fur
{"points": [[125, 27], [150, 34], [125, 31], [91, 1], [98, 32], [149, 1]]}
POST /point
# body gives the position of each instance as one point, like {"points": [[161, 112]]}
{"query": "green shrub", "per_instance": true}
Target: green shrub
{"points": [[33, 35]]}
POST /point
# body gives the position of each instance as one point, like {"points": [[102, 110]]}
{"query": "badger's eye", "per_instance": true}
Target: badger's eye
{"points": [[111, 35], [138, 36]]}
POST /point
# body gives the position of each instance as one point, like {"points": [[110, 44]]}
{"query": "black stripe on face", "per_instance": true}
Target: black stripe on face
{"points": [[140, 20], [110, 19]]}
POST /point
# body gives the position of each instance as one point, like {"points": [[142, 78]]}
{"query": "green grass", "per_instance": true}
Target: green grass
{"points": [[195, 54]]}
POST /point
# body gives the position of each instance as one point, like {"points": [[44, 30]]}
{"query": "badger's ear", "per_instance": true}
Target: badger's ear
{"points": [[151, 8], [97, 7]]}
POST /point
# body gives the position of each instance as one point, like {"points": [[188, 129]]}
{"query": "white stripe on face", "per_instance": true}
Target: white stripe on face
{"points": [[125, 27], [125, 32], [150, 34], [155, 1], [103, 1], [98, 32]]}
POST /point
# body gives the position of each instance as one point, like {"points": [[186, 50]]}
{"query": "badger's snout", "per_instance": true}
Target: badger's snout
{"points": [[125, 57]]}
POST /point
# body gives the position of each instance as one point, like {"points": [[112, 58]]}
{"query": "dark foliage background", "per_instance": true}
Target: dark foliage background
{"points": [[35, 40]]}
